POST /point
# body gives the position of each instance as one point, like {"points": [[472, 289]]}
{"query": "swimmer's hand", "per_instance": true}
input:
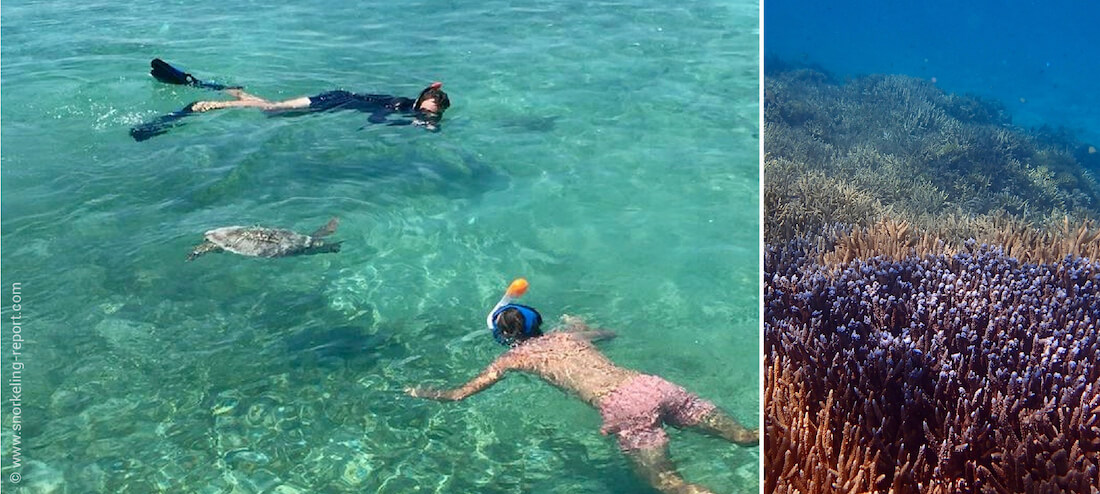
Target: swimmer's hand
{"points": [[431, 394], [426, 124]]}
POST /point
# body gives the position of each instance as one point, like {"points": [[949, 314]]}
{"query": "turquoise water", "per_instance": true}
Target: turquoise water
{"points": [[605, 151]]}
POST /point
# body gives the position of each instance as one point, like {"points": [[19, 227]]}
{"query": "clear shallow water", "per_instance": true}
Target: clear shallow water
{"points": [[607, 152], [1037, 58]]}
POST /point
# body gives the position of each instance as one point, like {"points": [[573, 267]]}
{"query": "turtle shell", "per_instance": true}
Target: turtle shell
{"points": [[258, 241]]}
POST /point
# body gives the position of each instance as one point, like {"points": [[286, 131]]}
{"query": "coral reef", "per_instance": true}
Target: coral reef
{"points": [[896, 146], [969, 372], [1018, 239]]}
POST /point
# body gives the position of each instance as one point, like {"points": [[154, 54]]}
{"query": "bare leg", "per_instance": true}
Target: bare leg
{"points": [[241, 95], [718, 423], [204, 106], [654, 465], [245, 100]]}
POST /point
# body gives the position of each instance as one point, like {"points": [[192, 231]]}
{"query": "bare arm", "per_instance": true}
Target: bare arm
{"points": [[577, 327], [595, 334], [493, 373]]}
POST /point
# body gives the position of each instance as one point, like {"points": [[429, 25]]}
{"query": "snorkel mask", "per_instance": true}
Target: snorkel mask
{"points": [[434, 91], [429, 119], [531, 318]]}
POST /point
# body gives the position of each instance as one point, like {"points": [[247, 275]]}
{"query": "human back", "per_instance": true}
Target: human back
{"points": [[569, 361], [635, 407]]}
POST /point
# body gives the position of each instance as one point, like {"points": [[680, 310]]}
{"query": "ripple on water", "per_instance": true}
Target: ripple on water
{"points": [[568, 158]]}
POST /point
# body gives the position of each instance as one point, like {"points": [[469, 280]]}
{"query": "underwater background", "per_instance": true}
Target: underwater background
{"points": [[1037, 58], [931, 274], [608, 152]]}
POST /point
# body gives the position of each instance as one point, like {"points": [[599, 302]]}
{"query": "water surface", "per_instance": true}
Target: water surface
{"points": [[605, 151]]}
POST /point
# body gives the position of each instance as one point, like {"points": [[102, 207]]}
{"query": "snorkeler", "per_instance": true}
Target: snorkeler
{"points": [[424, 111], [633, 405]]}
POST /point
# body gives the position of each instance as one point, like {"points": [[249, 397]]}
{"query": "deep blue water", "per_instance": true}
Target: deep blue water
{"points": [[1038, 58]]}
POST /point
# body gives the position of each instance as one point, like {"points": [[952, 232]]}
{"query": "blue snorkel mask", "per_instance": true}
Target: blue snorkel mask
{"points": [[531, 318], [531, 322]]}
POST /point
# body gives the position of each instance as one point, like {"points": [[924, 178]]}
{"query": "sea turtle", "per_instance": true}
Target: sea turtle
{"points": [[258, 241]]}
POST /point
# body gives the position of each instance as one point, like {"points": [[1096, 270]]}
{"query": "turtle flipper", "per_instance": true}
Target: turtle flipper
{"points": [[203, 248], [328, 229]]}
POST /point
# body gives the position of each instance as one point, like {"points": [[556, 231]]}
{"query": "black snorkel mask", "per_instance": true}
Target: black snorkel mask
{"points": [[442, 102], [434, 91]]}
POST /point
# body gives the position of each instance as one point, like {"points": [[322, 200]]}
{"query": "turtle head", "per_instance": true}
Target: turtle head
{"points": [[319, 246]]}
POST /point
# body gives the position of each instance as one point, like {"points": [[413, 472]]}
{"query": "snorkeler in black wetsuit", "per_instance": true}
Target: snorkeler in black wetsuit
{"points": [[425, 111]]}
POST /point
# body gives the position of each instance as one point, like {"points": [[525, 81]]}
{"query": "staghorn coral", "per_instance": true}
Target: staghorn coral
{"points": [[1018, 239], [802, 453], [812, 200], [970, 372], [900, 147]]}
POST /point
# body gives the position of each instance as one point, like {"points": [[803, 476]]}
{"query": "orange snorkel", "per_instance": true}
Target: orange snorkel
{"points": [[514, 291]]}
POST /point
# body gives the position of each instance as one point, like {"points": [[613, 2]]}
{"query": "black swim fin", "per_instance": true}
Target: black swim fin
{"points": [[160, 125], [165, 72]]}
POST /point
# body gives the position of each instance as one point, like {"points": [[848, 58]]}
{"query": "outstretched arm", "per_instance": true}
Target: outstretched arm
{"points": [[577, 327], [382, 118], [379, 117], [487, 378]]}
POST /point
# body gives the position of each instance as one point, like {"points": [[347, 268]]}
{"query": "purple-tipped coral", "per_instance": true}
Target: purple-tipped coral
{"points": [[963, 373]]}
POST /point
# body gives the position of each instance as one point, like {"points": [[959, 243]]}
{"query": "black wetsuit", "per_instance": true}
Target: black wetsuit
{"points": [[378, 105]]}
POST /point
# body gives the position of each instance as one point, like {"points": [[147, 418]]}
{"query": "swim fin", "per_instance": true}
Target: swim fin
{"points": [[160, 125], [165, 72]]}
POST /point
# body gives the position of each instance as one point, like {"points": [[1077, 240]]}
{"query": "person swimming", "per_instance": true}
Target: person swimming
{"points": [[634, 406], [424, 111]]}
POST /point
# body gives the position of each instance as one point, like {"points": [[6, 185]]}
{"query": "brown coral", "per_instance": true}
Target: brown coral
{"points": [[1024, 241]]}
